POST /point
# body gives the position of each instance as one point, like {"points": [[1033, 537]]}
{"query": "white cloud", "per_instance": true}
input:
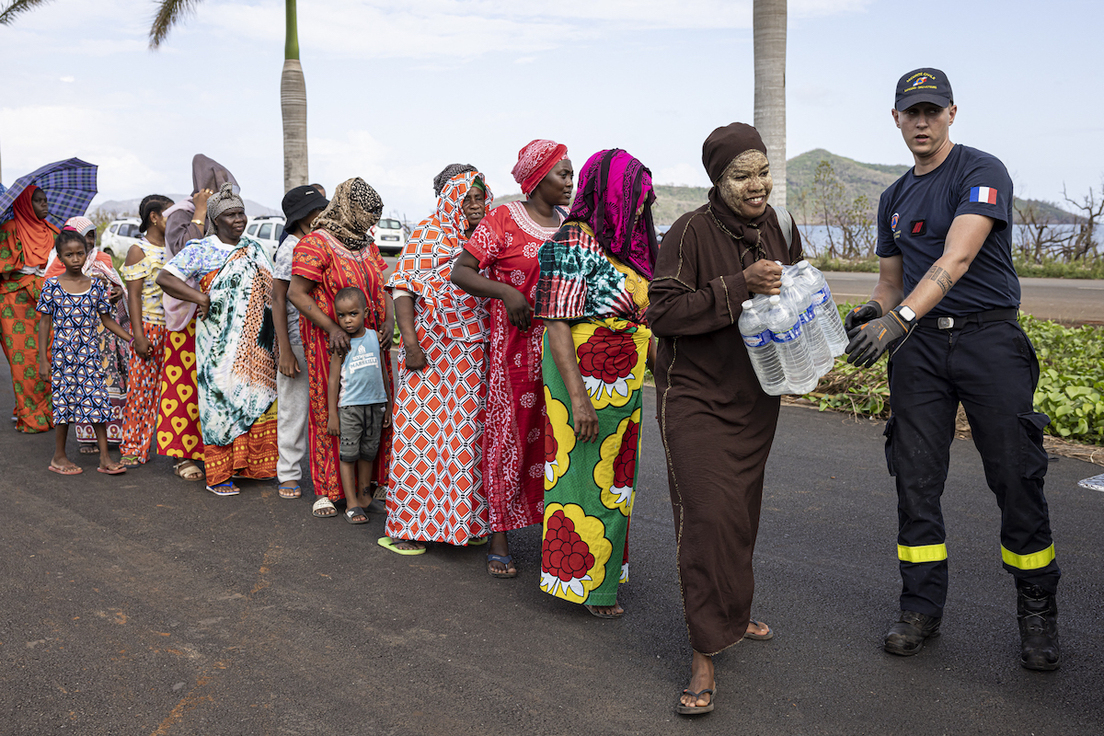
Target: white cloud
{"points": [[683, 174], [67, 80]]}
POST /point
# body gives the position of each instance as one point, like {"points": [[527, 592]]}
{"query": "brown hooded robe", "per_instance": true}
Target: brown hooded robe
{"points": [[716, 423]]}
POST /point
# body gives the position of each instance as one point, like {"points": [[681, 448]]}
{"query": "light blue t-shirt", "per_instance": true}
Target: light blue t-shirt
{"points": [[361, 372]]}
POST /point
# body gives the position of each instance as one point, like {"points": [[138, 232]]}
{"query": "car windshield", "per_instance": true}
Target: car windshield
{"points": [[129, 230], [390, 224]]}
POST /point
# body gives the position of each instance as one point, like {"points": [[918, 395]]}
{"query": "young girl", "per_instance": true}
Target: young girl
{"points": [[74, 305], [143, 263]]}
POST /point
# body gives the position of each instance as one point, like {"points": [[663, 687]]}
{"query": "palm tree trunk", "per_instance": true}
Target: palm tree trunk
{"points": [[769, 29], [293, 107]]}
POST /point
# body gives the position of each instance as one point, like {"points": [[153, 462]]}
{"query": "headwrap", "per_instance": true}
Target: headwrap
{"points": [[535, 161], [354, 209], [612, 187], [206, 174], [81, 224], [447, 173], [36, 236], [425, 266], [720, 148], [222, 201]]}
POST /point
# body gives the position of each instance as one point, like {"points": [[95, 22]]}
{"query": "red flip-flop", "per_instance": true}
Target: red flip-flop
{"points": [[66, 471], [118, 470]]}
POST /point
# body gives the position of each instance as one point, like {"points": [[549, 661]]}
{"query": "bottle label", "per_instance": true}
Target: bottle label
{"points": [[785, 336], [808, 315], [822, 296], [759, 340]]}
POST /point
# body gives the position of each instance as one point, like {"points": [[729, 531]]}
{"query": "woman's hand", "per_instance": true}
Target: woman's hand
{"points": [[143, 348], [763, 277], [43, 371], [584, 419], [339, 341], [288, 365], [518, 310], [333, 425], [115, 294], [386, 333], [202, 306], [415, 358]]}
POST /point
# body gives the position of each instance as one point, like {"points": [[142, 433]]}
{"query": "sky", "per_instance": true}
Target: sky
{"points": [[397, 89]]}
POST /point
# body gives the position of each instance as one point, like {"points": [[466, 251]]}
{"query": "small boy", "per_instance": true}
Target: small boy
{"points": [[359, 407]]}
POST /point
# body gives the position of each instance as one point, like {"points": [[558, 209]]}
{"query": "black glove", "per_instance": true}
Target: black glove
{"points": [[861, 315], [870, 340]]}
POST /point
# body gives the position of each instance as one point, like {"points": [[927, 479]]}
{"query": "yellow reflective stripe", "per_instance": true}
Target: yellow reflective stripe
{"points": [[925, 553], [1028, 562]]}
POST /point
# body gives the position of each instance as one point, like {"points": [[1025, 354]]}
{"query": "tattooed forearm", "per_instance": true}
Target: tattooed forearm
{"points": [[942, 279]]}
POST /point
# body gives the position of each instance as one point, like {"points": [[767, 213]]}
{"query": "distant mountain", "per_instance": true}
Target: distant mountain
{"points": [[857, 178], [129, 207]]}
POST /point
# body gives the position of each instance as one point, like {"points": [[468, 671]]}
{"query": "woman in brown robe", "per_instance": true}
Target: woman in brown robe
{"points": [[717, 424]]}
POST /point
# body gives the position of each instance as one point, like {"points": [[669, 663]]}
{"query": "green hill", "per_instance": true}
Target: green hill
{"points": [[857, 178]]}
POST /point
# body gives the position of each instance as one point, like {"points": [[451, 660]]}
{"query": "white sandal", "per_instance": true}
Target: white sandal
{"points": [[324, 504], [187, 470]]}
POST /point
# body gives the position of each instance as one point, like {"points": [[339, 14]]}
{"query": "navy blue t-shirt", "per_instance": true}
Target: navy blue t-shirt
{"points": [[915, 214]]}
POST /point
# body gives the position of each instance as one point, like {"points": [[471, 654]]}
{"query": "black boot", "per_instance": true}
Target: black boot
{"points": [[1037, 612], [906, 637]]}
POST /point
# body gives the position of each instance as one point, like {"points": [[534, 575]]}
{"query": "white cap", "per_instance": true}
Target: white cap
{"points": [[747, 304], [775, 300]]}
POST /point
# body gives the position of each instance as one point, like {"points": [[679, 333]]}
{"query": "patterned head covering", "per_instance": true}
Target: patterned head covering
{"points": [[535, 161], [354, 209], [221, 201], [81, 224], [447, 173], [613, 187], [425, 266]]}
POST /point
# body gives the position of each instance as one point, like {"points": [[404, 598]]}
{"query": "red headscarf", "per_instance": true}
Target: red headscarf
{"points": [[535, 161], [36, 236]]}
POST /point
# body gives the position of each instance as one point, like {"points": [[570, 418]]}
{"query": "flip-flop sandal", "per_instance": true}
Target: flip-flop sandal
{"points": [[388, 544], [323, 504], [66, 471], [759, 637], [112, 470], [477, 541], [697, 710], [505, 560], [354, 512], [595, 612], [376, 507], [130, 461], [224, 489], [290, 491]]}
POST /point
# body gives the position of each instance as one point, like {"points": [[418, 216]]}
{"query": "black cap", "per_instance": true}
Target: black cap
{"points": [[300, 202], [924, 85]]}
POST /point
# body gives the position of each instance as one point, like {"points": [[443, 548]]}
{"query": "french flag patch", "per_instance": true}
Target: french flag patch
{"points": [[983, 194]]}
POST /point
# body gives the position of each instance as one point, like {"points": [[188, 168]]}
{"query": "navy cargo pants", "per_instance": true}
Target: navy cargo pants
{"points": [[992, 370]]}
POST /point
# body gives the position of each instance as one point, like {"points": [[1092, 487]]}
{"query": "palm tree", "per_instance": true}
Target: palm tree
{"points": [[293, 87], [769, 31]]}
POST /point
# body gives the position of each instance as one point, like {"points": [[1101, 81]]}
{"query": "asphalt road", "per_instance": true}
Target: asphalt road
{"points": [[1070, 301], [141, 604]]}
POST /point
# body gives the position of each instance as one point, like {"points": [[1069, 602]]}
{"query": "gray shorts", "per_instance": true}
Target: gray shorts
{"points": [[360, 431]]}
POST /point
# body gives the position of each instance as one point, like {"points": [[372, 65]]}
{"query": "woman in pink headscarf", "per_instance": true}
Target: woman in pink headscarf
{"points": [[504, 247]]}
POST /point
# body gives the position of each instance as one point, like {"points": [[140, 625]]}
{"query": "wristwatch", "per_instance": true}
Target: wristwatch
{"points": [[906, 314]]}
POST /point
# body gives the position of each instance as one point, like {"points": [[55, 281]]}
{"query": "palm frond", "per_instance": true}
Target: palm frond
{"points": [[16, 7], [169, 13]]}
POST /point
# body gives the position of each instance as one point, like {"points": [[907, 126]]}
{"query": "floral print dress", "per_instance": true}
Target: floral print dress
{"points": [[589, 488]]}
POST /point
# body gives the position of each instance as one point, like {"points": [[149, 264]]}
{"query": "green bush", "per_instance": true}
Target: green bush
{"points": [[1070, 391], [1047, 269]]}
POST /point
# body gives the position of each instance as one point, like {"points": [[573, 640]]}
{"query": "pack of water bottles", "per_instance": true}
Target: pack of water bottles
{"points": [[793, 338]]}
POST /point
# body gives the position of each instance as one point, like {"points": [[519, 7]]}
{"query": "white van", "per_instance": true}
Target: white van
{"points": [[266, 230], [390, 236]]}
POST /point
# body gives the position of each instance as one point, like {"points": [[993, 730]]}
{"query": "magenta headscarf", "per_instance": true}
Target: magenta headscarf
{"points": [[612, 187]]}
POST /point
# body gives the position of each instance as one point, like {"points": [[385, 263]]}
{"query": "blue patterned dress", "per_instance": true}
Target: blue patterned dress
{"points": [[77, 374]]}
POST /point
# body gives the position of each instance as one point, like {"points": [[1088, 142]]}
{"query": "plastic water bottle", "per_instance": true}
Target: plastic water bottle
{"points": [[785, 327], [761, 350], [824, 306], [800, 300]]}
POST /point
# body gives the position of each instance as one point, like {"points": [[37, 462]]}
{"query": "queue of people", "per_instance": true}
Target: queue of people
{"points": [[526, 331]]}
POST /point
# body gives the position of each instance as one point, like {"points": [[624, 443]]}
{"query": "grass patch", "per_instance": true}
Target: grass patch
{"points": [[1047, 269]]}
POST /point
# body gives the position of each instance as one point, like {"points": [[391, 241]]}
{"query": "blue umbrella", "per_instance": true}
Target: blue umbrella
{"points": [[70, 186]]}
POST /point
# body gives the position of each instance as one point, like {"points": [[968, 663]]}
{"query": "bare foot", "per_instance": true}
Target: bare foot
{"points": [[613, 611], [758, 630], [701, 678], [407, 545]]}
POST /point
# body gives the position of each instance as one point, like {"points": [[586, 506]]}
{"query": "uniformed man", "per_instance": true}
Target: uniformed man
{"points": [[945, 307]]}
